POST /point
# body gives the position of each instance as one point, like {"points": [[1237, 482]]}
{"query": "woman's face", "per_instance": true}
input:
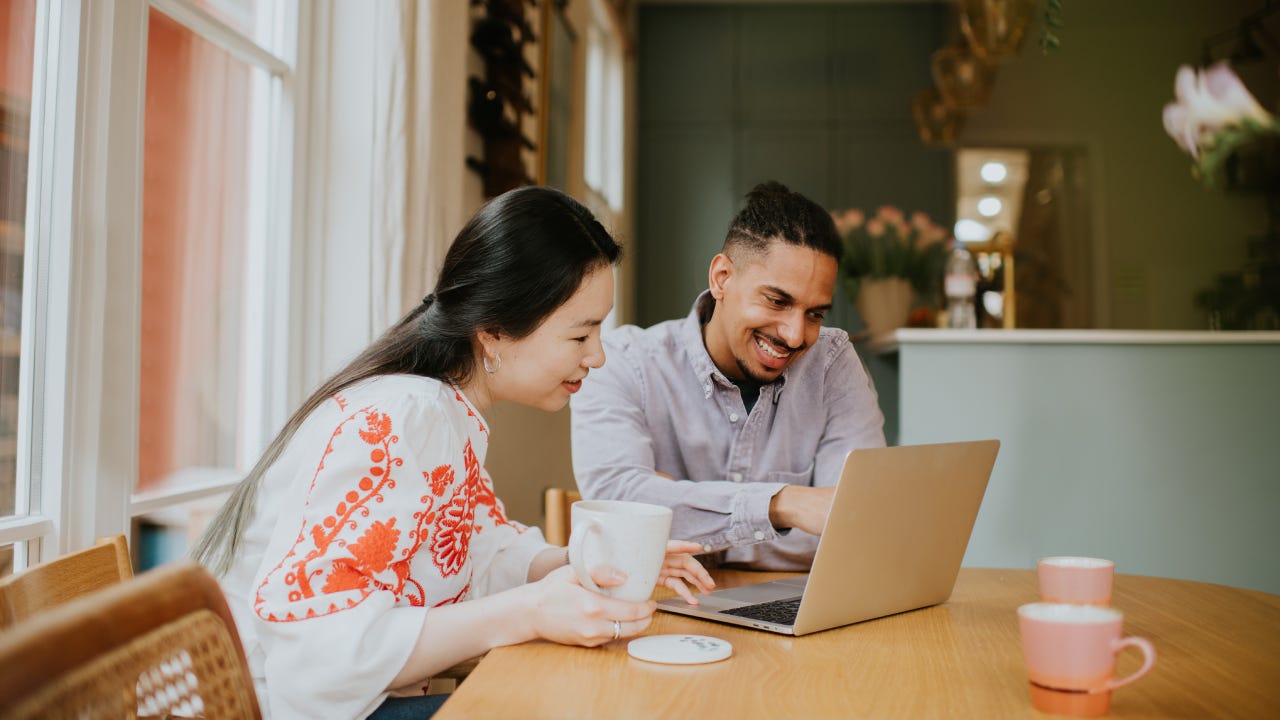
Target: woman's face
{"points": [[545, 368]]}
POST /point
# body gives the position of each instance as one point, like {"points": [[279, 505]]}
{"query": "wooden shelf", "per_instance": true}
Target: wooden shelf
{"points": [[501, 91], [498, 101]]}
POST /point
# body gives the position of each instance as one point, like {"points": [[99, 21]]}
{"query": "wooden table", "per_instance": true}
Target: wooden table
{"points": [[1218, 648]]}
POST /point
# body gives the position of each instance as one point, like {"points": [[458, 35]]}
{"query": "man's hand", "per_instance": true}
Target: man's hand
{"points": [[801, 507]]}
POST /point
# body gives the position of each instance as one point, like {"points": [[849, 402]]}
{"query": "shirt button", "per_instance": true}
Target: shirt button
{"points": [[736, 477], [759, 535], [733, 417], [706, 548]]}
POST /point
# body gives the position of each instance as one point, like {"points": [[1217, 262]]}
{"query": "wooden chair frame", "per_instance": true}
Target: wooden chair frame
{"points": [[66, 578], [558, 503], [121, 650]]}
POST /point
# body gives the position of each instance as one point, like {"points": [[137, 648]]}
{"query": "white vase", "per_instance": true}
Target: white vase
{"points": [[884, 304]]}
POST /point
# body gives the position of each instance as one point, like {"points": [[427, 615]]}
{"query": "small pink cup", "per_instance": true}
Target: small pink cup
{"points": [[1081, 580], [1071, 656]]}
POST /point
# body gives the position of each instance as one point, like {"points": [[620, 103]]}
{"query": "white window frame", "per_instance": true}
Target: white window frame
{"points": [[80, 377], [605, 126]]}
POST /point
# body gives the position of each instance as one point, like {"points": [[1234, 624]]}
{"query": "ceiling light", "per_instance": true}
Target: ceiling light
{"points": [[972, 231], [990, 206], [993, 171]]}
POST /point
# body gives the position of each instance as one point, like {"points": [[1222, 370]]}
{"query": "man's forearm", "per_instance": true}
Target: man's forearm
{"points": [[716, 514]]}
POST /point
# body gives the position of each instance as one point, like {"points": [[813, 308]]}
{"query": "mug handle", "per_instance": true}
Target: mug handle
{"points": [[576, 540], [1148, 661]]}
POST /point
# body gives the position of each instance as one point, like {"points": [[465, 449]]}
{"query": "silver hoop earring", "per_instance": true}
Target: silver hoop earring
{"points": [[491, 369]]}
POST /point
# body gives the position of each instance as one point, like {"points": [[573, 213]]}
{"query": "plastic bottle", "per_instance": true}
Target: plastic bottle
{"points": [[960, 284]]}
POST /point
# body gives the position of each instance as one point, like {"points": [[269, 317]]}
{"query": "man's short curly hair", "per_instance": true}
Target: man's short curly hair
{"points": [[774, 213]]}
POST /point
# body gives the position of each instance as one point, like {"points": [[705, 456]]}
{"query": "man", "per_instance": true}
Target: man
{"points": [[739, 416]]}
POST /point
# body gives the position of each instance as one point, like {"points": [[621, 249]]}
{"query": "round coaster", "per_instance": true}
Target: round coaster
{"points": [[679, 649]]}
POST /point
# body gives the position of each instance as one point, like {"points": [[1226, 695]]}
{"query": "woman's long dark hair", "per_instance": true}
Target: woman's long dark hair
{"points": [[524, 254]]}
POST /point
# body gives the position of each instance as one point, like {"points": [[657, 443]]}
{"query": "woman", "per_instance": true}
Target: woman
{"points": [[349, 550]]}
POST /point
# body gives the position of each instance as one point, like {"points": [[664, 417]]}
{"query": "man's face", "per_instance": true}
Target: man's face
{"points": [[769, 309]]}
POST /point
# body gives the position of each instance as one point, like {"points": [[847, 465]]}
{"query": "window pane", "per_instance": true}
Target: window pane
{"points": [[17, 51], [251, 17], [202, 190], [8, 552]]}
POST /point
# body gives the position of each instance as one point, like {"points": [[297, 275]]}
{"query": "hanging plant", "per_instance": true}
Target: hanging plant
{"points": [[1049, 39]]}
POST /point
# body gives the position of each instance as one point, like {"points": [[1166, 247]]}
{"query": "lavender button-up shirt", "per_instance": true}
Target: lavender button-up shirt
{"points": [[660, 405]]}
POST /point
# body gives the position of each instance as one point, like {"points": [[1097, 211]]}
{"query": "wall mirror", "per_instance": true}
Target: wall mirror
{"points": [[1027, 215]]}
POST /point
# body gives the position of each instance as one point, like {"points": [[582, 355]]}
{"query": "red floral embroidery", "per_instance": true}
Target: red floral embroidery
{"points": [[380, 559], [449, 601], [457, 395], [374, 550], [485, 496], [456, 520], [372, 553], [440, 479]]}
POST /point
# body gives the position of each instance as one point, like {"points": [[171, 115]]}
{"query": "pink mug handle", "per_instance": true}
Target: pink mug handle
{"points": [[1148, 661]]}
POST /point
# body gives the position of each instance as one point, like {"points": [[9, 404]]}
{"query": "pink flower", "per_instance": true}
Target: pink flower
{"points": [[929, 235], [1208, 101], [847, 221], [889, 213], [875, 227], [920, 221]]}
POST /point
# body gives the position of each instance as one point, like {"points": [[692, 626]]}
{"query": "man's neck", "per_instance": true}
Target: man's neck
{"points": [[717, 347]]}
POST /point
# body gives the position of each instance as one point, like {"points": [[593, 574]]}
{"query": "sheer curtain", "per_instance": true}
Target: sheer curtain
{"points": [[418, 155]]}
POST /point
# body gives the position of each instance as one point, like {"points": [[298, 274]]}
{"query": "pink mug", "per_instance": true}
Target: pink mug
{"points": [[1082, 580], [1071, 656]]}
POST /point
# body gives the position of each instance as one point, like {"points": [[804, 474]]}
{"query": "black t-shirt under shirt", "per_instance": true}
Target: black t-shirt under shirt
{"points": [[750, 392]]}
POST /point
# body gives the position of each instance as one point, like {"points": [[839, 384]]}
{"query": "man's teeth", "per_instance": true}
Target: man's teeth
{"points": [[768, 349]]}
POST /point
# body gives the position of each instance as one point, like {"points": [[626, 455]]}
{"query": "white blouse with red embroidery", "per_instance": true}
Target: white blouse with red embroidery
{"points": [[378, 510]]}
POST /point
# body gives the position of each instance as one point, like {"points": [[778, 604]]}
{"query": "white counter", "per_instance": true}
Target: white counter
{"points": [[1160, 450], [892, 341]]}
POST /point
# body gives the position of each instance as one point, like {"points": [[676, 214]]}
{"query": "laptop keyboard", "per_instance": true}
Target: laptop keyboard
{"points": [[782, 612]]}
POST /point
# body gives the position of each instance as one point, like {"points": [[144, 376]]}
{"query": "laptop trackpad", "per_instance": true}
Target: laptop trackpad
{"points": [[764, 592]]}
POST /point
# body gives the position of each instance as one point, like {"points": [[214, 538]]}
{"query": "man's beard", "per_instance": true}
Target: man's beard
{"points": [[746, 373]]}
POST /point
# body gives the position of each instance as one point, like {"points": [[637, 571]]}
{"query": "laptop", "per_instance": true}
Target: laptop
{"points": [[898, 528]]}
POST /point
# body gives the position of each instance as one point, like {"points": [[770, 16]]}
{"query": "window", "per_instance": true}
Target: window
{"points": [[198, 226], [604, 155], [207, 254], [157, 240], [17, 53]]}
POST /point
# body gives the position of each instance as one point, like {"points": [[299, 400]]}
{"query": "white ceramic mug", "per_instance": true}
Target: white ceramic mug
{"points": [[629, 536]]}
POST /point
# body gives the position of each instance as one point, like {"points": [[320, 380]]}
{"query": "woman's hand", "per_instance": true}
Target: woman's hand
{"points": [[567, 613], [680, 569]]}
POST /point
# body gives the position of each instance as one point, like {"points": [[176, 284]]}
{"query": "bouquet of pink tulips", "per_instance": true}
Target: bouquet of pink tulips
{"points": [[889, 245]]}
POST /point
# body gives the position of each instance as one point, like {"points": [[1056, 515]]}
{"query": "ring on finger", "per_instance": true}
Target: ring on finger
{"points": [[617, 629]]}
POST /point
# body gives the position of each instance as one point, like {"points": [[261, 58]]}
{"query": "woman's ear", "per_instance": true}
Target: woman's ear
{"points": [[490, 341]]}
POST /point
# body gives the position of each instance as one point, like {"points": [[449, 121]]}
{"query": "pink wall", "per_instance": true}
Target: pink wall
{"points": [[17, 46], [193, 205]]}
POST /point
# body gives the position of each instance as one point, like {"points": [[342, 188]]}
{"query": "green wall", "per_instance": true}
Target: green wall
{"points": [[1161, 456], [1161, 235], [815, 96], [818, 96]]}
